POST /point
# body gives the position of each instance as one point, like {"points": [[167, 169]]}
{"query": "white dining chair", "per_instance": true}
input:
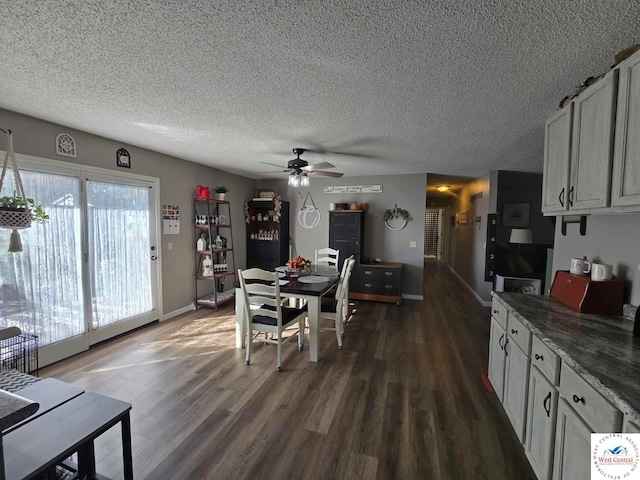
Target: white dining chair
{"points": [[327, 257], [265, 313], [336, 308]]}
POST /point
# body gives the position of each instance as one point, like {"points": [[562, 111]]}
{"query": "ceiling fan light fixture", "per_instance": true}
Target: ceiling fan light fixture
{"points": [[304, 180], [294, 180], [443, 188]]}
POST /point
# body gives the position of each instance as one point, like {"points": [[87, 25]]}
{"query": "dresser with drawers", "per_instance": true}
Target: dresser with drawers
{"points": [[380, 282]]}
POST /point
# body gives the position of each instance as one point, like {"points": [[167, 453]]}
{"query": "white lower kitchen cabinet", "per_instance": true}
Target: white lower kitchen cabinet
{"points": [[572, 445], [516, 385], [496, 357], [541, 424]]}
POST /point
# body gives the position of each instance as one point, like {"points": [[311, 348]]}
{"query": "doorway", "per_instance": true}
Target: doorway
{"points": [[436, 234]]}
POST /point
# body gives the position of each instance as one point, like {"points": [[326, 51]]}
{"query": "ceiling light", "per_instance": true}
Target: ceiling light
{"points": [[443, 188], [294, 180], [304, 180]]}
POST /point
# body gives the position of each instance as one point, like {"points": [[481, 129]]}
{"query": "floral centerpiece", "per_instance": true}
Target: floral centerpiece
{"points": [[298, 264]]}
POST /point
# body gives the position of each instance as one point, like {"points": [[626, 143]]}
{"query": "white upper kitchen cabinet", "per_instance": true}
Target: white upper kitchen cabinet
{"points": [[592, 145], [557, 157], [625, 190]]}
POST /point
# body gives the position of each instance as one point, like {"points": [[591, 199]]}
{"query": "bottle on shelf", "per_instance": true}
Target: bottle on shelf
{"points": [[207, 267], [201, 244], [218, 242]]}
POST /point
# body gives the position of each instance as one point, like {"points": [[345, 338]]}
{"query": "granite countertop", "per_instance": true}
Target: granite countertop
{"points": [[601, 349]]}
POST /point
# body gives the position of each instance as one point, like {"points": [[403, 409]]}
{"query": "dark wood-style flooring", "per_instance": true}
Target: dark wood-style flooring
{"points": [[403, 400]]}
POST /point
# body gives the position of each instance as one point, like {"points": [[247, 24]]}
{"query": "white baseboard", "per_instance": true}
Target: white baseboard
{"points": [[409, 296], [482, 302], [180, 311]]}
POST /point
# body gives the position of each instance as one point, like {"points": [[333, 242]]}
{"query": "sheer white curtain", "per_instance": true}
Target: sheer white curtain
{"points": [[119, 255], [41, 287]]}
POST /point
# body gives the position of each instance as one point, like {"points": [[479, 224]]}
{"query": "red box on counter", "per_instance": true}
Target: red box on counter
{"points": [[588, 296]]}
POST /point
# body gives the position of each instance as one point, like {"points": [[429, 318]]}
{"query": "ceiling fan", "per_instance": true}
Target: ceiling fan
{"points": [[299, 169]]}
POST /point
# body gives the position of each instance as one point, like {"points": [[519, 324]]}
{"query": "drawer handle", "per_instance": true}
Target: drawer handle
{"points": [[578, 399], [506, 342], [544, 404], [561, 197], [495, 311], [368, 272], [368, 285], [539, 357], [515, 332], [388, 287], [500, 342], [388, 274]]}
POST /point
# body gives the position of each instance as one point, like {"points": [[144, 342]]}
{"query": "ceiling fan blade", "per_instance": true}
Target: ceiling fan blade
{"points": [[274, 165], [319, 166], [322, 173], [275, 171]]}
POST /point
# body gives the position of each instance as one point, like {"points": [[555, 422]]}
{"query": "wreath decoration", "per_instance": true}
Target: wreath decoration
{"points": [[394, 214]]}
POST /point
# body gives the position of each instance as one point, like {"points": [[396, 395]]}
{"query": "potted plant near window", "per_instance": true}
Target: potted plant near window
{"points": [[221, 191], [17, 211]]}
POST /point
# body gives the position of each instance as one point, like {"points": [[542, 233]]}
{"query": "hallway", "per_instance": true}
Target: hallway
{"points": [[403, 400]]}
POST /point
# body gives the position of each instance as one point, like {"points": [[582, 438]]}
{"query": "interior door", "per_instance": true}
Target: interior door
{"points": [[122, 255]]}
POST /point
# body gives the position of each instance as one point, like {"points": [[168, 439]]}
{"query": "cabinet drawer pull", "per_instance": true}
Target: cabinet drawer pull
{"points": [[388, 287], [515, 332], [368, 285], [539, 357], [500, 342], [506, 342], [578, 399], [495, 311], [368, 272], [544, 404], [571, 197], [389, 274], [561, 197]]}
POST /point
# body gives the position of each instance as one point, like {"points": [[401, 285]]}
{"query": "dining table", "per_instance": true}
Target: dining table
{"points": [[311, 293]]}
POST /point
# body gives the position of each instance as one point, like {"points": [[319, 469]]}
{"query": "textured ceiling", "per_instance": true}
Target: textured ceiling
{"points": [[385, 87]]}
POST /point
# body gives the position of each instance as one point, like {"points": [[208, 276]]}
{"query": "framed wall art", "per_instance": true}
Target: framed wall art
{"points": [[516, 215], [123, 159]]}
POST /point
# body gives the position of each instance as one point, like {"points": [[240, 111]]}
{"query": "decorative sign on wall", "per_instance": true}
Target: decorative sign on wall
{"points": [[170, 219], [65, 145], [492, 248], [464, 217], [354, 189], [123, 159]]}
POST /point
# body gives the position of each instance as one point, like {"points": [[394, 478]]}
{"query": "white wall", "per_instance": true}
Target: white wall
{"points": [[468, 243], [408, 191], [613, 239]]}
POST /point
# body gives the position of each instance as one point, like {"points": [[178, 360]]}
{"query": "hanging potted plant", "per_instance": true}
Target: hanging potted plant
{"points": [[221, 191], [17, 211]]}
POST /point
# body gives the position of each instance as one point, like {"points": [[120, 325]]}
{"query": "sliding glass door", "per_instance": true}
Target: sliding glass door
{"points": [[89, 273], [41, 288]]}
